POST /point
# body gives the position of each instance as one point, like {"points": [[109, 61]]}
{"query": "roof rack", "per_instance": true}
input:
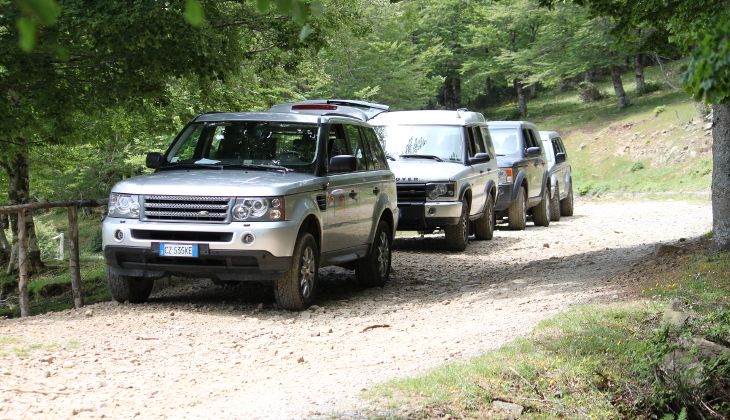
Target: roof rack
{"points": [[206, 113]]}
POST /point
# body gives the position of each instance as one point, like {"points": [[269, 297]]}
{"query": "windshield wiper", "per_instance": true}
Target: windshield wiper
{"points": [[415, 156], [258, 166], [190, 166], [499, 154]]}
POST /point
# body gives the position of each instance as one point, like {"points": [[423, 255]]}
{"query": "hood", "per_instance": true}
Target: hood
{"points": [[217, 182], [426, 170]]}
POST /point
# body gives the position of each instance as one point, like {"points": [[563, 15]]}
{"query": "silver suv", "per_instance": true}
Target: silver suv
{"points": [[262, 197], [446, 172]]}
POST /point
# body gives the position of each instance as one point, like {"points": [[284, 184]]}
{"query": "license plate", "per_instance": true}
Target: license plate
{"points": [[178, 250]]}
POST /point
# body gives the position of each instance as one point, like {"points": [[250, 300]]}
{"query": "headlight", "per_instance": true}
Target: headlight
{"points": [[505, 176], [436, 190], [259, 209], [124, 206]]}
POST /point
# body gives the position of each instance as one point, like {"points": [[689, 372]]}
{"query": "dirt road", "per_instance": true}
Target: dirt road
{"points": [[203, 351]]}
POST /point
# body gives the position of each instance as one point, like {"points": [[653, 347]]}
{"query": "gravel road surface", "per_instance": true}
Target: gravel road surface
{"points": [[197, 350]]}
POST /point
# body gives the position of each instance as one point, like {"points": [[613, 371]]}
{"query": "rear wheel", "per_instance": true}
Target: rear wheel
{"points": [[457, 236], [517, 212], [295, 289], [555, 204], [374, 269], [129, 289], [541, 212], [484, 226], [566, 204]]}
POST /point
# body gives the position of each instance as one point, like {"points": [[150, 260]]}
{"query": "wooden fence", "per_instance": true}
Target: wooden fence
{"points": [[73, 261]]}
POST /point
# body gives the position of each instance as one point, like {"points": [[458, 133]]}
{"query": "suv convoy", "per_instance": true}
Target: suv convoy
{"points": [[446, 171], [561, 177], [263, 197], [523, 173]]}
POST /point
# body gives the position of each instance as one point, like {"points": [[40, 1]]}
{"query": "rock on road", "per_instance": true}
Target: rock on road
{"points": [[204, 351]]}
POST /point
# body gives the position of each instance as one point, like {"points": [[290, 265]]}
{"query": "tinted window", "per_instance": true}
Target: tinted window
{"points": [[356, 146], [336, 141], [488, 141], [376, 155], [476, 144]]}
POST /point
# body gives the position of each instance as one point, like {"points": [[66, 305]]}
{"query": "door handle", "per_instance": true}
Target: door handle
{"points": [[353, 194], [376, 190]]}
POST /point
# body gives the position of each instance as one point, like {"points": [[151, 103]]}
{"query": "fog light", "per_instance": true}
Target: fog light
{"points": [[248, 238], [431, 211], [118, 235]]}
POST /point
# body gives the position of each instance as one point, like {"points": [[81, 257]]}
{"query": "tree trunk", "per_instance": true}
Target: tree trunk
{"points": [[532, 90], [589, 76], [451, 92], [521, 99], [618, 87], [22, 267], [19, 193], [73, 260], [639, 74], [721, 175]]}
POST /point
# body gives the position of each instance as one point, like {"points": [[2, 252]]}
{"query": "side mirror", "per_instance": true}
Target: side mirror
{"points": [[342, 163], [480, 158], [560, 157], [533, 152], [153, 159]]}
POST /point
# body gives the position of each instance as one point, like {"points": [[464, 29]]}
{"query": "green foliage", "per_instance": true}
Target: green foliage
{"points": [[658, 110], [708, 74], [637, 166]]}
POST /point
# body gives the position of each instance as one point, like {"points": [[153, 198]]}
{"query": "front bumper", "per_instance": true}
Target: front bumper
{"points": [[429, 215], [504, 197], [222, 265], [223, 254]]}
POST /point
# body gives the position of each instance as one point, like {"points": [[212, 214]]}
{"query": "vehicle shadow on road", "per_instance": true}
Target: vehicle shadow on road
{"points": [[434, 244], [472, 275]]}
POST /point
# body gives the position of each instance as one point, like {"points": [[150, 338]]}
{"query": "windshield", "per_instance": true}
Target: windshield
{"points": [[506, 141], [276, 144], [444, 142]]}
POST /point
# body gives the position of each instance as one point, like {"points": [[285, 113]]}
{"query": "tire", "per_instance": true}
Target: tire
{"points": [[374, 269], [484, 226], [555, 205], [517, 212], [457, 236], [295, 289], [541, 212], [129, 289], [566, 204]]}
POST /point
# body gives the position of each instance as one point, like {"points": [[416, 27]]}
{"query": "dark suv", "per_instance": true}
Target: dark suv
{"points": [[523, 173]]}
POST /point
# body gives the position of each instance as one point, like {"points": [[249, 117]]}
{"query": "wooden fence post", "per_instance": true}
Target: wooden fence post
{"points": [[22, 266], [73, 259]]}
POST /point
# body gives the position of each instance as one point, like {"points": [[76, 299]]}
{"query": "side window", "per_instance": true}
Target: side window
{"points": [[476, 141], [336, 142], [562, 146], [528, 139], [488, 141], [376, 156], [356, 146], [186, 151], [536, 139]]}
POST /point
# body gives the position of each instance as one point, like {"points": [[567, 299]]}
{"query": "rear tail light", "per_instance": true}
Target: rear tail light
{"points": [[323, 107]]}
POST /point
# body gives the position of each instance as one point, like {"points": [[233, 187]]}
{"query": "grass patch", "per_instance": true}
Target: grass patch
{"points": [[598, 361], [661, 129]]}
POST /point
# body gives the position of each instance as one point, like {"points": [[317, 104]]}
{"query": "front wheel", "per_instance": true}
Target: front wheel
{"points": [[566, 204], [541, 212], [295, 289], [457, 236], [484, 226], [129, 289], [374, 268], [517, 212], [555, 205]]}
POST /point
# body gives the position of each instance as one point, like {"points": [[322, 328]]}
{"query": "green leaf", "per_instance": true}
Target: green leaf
{"points": [[27, 32], [263, 5], [44, 11], [285, 6], [194, 13], [299, 13], [305, 32]]}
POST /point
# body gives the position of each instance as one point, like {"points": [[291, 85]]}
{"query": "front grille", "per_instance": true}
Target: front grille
{"points": [[411, 193], [181, 208]]}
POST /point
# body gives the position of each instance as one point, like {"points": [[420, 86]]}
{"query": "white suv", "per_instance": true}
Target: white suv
{"points": [[446, 171]]}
